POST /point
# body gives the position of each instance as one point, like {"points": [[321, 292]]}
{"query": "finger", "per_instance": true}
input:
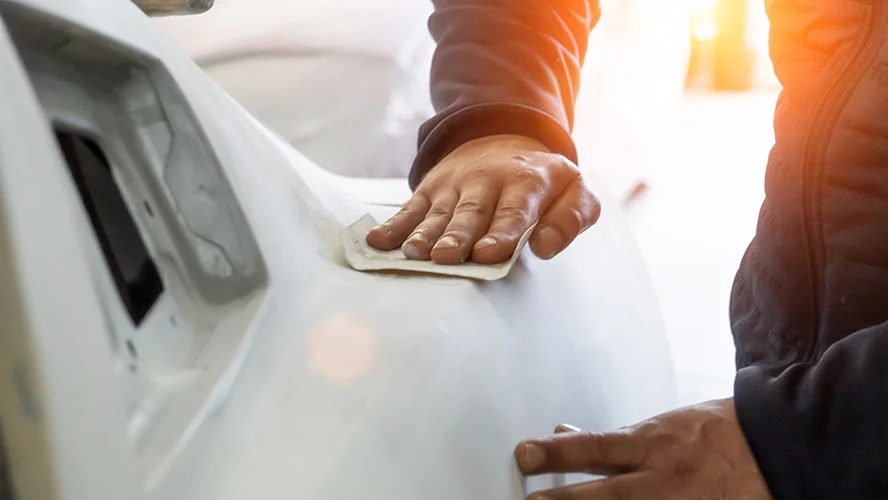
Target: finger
{"points": [[635, 486], [573, 212], [581, 452], [558, 479], [470, 221], [392, 233], [518, 208], [419, 244]]}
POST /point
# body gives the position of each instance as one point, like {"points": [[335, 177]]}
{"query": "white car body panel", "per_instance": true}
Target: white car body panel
{"points": [[345, 82], [267, 368]]}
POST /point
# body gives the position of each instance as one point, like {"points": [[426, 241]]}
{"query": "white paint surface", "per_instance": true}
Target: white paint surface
{"points": [[354, 385], [346, 81]]}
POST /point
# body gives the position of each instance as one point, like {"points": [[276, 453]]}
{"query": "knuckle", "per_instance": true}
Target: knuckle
{"points": [[514, 213], [647, 430], [405, 212], [665, 442], [587, 197], [712, 432], [426, 189], [576, 219], [420, 198], [584, 188], [417, 203], [582, 216], [566, 449], [521, 159], [563, 166], [595, 210], [438, 211], [472, 207], [481, 172], [531, 176], [600, 446]]}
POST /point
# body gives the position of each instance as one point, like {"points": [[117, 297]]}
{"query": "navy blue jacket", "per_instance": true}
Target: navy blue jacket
{"points": [[809, 306]]}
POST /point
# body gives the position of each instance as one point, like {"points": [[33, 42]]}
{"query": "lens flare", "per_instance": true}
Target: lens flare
{"points": [[342, 349]]}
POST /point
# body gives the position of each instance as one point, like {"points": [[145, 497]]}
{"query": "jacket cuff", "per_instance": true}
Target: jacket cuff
{"points": [[773, 430], [484, 120]]}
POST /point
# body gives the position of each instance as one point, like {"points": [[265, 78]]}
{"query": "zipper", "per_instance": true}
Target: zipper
{"points": [[836, 96]]}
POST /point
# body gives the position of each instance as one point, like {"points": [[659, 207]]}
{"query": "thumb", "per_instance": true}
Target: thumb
{"points": [[573, 212]]}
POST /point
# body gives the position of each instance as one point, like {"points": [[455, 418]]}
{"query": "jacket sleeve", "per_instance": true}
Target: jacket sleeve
{"points": [[819, 430], [504, 67]]}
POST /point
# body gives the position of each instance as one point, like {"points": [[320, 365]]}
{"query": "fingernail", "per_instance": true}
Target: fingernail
{"points": [[410, 248], [487, 241], [447, 242], [533, 456], [550, 238], [417, 238], [382, 229]]}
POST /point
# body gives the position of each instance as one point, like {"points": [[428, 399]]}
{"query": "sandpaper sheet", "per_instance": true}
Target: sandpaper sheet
{"points": [[362, 257]]}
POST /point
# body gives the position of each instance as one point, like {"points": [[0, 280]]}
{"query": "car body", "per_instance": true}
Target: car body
{"points": [[344, 82], [178, 320]]}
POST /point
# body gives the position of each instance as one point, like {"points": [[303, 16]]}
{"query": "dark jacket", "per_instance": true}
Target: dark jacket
{"points": [[809, 306], [504, 67]]}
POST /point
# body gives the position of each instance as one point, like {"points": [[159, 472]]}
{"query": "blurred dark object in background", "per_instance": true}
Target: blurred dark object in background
{"points": [[174, 7], [5, 480], [721, 56]]}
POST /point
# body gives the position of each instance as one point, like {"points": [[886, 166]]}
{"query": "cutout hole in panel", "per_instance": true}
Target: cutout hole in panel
{"points": [[127, 96], [133, 270]]}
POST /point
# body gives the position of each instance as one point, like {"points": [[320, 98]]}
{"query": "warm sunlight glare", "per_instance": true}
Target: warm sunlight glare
{"points": [[705, 30], [341, 349], [703, 7]]}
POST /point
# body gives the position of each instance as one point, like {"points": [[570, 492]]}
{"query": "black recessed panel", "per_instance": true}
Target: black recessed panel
{"points": [[131, 266]]}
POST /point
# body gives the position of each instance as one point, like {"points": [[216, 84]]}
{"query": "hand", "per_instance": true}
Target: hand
{"points": [[696, 453], [479, 201]]}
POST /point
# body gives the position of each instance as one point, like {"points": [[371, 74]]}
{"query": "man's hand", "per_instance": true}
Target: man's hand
{"points": [[696, 453], [479, 201]]}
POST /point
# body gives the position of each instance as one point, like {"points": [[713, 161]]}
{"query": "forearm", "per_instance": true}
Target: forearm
{"points": [[504, 67], [819, 430]]}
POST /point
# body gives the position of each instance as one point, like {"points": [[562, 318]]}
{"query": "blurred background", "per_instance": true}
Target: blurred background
{"points": [[674, 117]]}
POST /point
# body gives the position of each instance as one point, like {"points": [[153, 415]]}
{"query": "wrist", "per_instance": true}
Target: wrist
{"points": [[512, 141]]}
